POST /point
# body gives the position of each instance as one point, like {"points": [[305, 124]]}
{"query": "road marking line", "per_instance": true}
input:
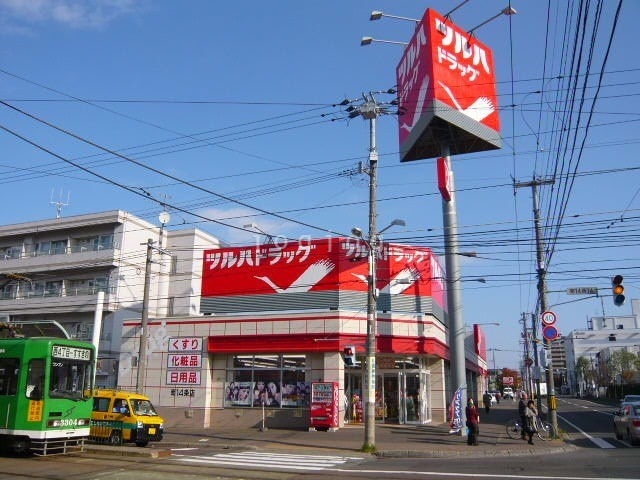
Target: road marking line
{"points": [[598, 441]]}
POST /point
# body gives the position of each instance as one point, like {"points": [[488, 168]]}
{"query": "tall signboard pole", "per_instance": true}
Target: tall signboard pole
{"points": [[448, 102], [454, 295]]}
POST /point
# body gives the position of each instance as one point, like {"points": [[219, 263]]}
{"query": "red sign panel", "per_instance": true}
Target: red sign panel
{"points": [[444, 179], [480, 341], [320, 265], [448, 76]]}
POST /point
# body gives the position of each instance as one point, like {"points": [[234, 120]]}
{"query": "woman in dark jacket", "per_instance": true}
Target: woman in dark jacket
{"points": [[530, 414], [473, 422]]}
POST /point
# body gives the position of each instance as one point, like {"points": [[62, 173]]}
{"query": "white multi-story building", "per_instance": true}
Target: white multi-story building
{"points": [[53, 270], [597, 342]]}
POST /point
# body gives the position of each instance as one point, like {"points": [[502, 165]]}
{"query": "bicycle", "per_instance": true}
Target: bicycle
{"points": [[544, 429]]}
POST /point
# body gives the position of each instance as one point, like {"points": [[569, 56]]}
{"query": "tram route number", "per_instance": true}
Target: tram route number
{"points": [[72, 353]]}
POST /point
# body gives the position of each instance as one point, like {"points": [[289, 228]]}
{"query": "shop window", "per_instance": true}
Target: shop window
{"points": [[270, 380]]}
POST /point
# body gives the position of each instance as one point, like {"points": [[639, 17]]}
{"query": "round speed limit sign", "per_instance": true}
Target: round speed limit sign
{"points": [[548, 317]]}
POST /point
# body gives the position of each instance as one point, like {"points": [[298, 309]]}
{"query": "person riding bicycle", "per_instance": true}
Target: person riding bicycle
{"points": [[530, 425], [522, 408]]}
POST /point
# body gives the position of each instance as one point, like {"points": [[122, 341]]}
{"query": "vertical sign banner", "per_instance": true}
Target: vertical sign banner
{"points": [[455, 412], [446, 92]]}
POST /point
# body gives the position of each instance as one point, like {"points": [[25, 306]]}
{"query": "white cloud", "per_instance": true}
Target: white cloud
{"points": [[240, 217], [83, 14]]}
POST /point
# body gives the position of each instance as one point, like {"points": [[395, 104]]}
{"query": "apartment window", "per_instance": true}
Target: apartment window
{"points": [[87, 286], [11, 252], [174, 264], [98, 242], [170, 306], [53, 288], [42, 248], [58, 247]]}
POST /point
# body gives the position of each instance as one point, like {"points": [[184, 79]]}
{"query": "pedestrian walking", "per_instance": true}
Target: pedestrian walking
{"points": [[486, 400], [473, 422], [531, 413], [522, 409]]}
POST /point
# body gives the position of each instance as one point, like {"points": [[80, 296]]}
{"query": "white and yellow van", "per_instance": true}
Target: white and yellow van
{"points": [[120, 416]]}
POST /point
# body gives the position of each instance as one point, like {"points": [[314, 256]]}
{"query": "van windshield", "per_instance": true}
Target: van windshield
{"points": [[143, 407]]}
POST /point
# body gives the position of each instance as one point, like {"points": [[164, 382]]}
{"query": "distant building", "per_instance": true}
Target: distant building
{"points": [[603, 336], [53, 270]]}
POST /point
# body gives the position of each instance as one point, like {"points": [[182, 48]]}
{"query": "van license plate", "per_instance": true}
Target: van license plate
{"points": [[152, 431]]}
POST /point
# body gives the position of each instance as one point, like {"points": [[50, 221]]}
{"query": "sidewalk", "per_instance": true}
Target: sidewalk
{"points": [[429, 441]]}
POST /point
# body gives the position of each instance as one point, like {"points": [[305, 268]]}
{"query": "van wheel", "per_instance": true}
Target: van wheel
{"points": [[142, 443], [116, 437]]}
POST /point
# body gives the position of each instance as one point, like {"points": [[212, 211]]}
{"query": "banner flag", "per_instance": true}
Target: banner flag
{"points": [[455, 412]]}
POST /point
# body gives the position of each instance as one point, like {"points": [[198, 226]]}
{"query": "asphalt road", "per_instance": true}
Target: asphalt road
{"points": [[585, 424]]}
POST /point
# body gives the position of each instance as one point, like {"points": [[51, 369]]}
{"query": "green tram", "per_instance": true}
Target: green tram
{"points": [[45, 394]]}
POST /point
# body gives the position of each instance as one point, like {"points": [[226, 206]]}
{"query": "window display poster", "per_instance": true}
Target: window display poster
{"points": [[238, 393], [295, 395]]}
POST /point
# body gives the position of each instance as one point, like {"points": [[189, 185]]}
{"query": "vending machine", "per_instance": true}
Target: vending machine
{"points": [[324, 406]]}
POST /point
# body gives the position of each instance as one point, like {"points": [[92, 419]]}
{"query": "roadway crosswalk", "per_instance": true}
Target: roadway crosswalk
{"points": [[253, 459]]}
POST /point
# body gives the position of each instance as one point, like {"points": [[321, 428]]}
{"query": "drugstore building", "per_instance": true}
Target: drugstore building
{"points": [[277, 317]]}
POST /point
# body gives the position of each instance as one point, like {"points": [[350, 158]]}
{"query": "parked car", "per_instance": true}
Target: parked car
{"points": [[630, 398], [626, 422], [507, 392]]}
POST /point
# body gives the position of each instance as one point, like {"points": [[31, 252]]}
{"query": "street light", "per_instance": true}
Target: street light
{"points": [[370, 40], [258, 229], [377, 15]]}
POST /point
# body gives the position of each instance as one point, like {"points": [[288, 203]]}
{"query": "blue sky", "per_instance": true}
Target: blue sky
{"points": [[238, 99]]}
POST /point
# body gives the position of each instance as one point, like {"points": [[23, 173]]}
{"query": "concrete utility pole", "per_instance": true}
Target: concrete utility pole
{"points": [[142, 353], [542, 299], [370, 110]]}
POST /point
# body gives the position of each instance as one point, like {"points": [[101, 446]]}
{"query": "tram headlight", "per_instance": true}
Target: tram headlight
{"points": [[54, 423]]}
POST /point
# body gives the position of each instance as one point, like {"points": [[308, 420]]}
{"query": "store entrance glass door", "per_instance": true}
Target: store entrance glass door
{"points": [[413, 397], [391, 395]]}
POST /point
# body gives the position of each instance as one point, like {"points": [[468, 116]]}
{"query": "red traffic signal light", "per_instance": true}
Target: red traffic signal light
{"points": [[617, 290]]}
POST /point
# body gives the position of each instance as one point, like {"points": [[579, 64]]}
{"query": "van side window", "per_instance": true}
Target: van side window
{"points": [[100, 404]]}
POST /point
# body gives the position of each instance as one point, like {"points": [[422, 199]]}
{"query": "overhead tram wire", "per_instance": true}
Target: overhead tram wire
{"points": [[564, 205], [157, 171], [180, 134]]}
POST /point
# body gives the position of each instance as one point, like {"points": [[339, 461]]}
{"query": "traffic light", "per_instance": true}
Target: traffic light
{"points": [[618, 290], [349, 355]]}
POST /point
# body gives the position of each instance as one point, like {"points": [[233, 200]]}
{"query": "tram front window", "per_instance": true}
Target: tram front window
{"points": [[69, 379]]}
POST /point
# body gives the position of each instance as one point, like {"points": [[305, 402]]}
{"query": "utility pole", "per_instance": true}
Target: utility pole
{"points": [[542, 299], [527, 367], [370, 110], [142, 353]]}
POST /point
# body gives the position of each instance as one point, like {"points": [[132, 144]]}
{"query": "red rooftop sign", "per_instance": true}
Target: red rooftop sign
{"points": [[315, 265], [446, 91]]}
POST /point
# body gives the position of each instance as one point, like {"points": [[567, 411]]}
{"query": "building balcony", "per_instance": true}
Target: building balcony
{"points": [[97, 255], [52, 301]]}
